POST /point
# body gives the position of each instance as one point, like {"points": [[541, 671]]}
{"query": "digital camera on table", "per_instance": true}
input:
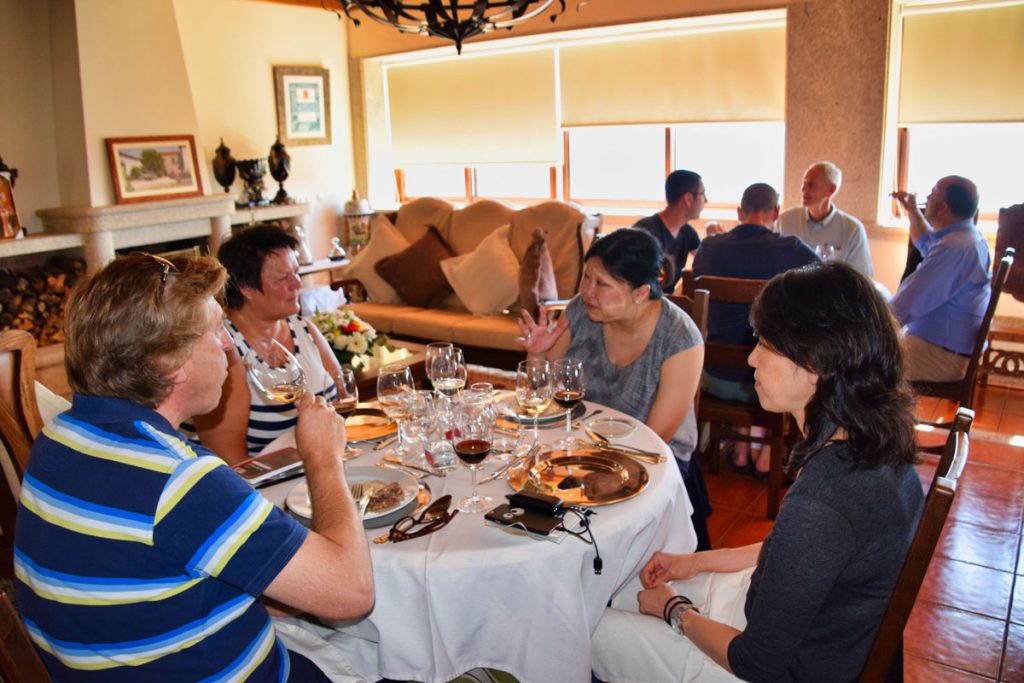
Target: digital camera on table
{"points": [[534, 512]]}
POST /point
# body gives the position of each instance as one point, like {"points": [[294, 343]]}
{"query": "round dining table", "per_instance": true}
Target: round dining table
{"points": [[473, 595]]}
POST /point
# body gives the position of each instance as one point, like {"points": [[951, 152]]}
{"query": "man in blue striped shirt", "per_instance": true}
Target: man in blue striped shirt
{"points": [[140, 556]]}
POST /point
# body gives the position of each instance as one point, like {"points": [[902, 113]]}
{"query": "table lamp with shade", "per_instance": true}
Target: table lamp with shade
{"points": [[357, 222]]}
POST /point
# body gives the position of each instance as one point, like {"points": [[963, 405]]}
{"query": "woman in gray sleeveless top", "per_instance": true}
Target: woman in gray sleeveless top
{"points": [[641, 354]]}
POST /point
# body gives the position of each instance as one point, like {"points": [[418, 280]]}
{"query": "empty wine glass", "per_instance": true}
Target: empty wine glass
{"points": [[533, 389], [570, 387], [393, 381], [474, 423], [419, 416], [345, 399], [277, 374]]}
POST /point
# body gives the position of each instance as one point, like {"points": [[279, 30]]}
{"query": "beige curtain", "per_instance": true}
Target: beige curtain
{"points": [[726, 75], [965, 65], [475, 109]]}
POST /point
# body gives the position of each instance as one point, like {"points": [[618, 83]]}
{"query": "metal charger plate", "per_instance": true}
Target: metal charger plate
{"points": [[511, 416], [368, 424], [604, 478]]}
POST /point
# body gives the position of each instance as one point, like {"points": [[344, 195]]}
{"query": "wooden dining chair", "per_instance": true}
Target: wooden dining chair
{"points": [[726, 418], [19, 661], [695, 306], [20, 422], [885, 659], [963, 390]]}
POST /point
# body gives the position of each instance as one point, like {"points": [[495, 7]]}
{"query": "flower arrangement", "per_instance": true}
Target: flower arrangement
{"points": [[353, 340]]}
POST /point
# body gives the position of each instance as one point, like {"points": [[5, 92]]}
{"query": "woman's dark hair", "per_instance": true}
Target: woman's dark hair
{"points": [[830, 320], [243, 255], [633, 256]]}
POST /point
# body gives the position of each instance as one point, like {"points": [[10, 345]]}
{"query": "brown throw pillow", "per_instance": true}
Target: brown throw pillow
{"points": [[415, 272], [536, 274]]}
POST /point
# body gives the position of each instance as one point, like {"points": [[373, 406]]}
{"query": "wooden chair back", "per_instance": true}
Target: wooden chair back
{"points": [[19, 661], [725, 416], [697, 308], [694, 305], [883, 662], [20, 421], [962, 391]]}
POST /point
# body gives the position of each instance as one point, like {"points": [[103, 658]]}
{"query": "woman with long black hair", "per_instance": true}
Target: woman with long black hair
{"points": [[805, 604]]}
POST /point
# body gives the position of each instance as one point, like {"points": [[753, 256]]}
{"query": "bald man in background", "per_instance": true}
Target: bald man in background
{"points": [[941, 304], [820, 223]]}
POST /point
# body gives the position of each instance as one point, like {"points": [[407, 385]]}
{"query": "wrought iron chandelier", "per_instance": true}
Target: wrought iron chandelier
{"points": [[449, 19]]}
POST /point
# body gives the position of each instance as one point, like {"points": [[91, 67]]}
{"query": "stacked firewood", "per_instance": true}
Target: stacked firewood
{"points": [[33, 299]]}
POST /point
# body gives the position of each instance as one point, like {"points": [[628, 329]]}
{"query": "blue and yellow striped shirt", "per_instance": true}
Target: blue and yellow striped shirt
{"points": [[141, 556]]}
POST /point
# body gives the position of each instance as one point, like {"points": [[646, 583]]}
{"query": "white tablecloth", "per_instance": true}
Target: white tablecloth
{"points": [[472, 595]]}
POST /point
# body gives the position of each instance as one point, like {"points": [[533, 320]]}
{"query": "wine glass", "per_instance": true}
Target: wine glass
{"points": [[393, 381], [450, 372], [501, 443], [474, 423], [419, 416], [277, 374], [533, 389], [434, 351], [345, 399], [570, 388]]}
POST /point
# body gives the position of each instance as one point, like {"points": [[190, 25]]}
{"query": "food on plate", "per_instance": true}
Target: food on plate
{"points": [[385, 497]]}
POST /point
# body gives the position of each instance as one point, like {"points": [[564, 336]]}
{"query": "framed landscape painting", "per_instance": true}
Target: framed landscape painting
{"points": [[146, 169], [303, 105]]}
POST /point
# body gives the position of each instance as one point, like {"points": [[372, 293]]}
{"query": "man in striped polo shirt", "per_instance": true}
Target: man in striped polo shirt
{"points": [[140, 556]]}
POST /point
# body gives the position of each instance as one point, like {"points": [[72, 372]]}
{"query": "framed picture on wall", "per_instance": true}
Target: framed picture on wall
{"points": [[146, 169], [303, 105], [9, 222]]}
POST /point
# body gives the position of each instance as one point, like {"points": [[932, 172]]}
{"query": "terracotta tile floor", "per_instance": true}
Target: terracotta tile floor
{"points": [[968, 623]]}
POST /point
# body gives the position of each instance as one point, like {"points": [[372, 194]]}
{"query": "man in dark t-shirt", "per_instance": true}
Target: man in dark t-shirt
{"points": [[685, 199]]}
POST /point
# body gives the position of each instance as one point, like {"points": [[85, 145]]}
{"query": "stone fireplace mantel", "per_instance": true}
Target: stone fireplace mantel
{"points": [[102, 229]]}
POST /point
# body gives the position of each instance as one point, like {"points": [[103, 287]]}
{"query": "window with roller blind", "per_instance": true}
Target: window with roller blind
{"points": [[961, 98], [601, 120]]}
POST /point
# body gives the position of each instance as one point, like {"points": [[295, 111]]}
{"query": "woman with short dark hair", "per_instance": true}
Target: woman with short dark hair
{"points": [[642, 355], [262, 296], [813, 593]]}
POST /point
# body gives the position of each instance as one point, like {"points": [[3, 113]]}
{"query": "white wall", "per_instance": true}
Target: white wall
{"points": [[27, 131]]}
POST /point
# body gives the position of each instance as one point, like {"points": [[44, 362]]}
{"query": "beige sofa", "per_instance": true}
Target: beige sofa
{"points": [[482, 320]]}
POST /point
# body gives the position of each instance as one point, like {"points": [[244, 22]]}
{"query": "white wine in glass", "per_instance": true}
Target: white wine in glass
{"points": [[449, 372], [534, 389], [393, 381], [275, 371], [345, 400]]}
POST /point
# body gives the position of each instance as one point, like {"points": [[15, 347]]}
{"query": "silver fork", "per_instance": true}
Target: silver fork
{"points": [[361, 494]]}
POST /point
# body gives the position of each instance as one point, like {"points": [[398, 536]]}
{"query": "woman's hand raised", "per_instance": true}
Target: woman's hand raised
{"points": [[536, 337]]}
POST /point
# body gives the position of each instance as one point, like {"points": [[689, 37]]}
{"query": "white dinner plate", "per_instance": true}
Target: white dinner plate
{"points": [[612, 427], [297, 499]]}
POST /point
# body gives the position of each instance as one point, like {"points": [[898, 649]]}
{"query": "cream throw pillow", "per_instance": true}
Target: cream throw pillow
{"points": [[487, 278], [385, 241]]}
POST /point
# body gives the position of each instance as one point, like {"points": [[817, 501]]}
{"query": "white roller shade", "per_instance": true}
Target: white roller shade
{"points": [[961, 66], [723, 75], [470, 109]]}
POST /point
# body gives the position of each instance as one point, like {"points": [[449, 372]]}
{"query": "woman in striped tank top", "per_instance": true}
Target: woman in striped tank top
{"points": [[262, 301]]}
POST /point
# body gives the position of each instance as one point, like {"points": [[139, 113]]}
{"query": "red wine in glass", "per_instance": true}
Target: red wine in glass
{"points": [[472, 451], [568, 398]]}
